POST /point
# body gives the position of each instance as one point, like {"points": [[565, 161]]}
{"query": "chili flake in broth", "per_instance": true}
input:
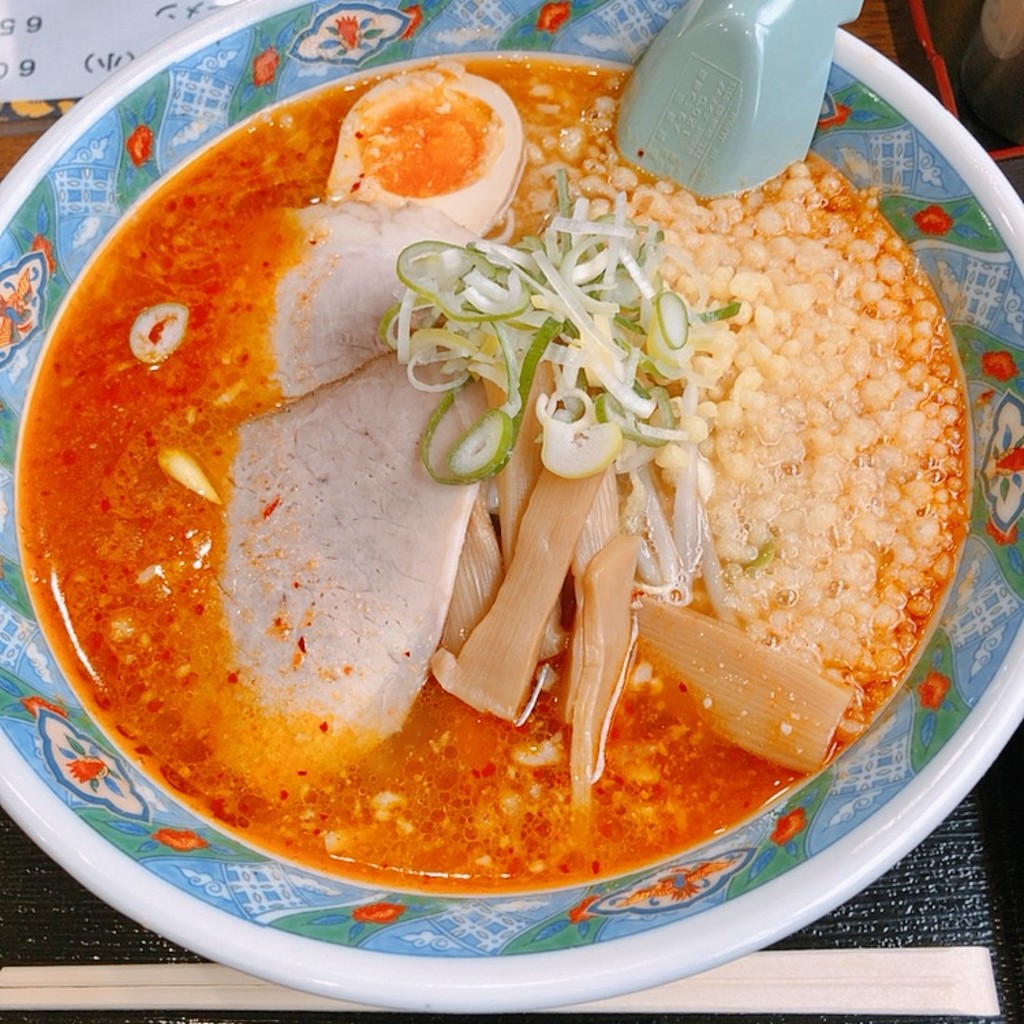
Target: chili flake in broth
{"points": [[128, 559]]}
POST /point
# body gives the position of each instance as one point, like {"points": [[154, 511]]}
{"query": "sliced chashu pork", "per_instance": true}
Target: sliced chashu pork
{"points": [[341, 551], [329, 306]]}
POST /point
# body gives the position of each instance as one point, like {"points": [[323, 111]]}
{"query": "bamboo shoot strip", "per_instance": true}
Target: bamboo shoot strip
{"points": [[515, 483], [764, 701], [608, 634], [601, 526], [520, 473], [496, 666], [477, 579]]}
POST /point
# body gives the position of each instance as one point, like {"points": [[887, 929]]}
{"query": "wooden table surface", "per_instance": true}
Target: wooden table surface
{"points": [[885, 24]]}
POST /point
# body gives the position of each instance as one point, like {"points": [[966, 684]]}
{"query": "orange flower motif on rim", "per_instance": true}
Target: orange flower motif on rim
{"points": [[1000, 365], [347, 30], [40, 243], [264, 66], [415, 12], [1011, 462], [1004, 537], [34, 704], [553, 16], [933, 689], [933, 220], [789, 826], [88, 769], [180, 839], [139, 145], [682, 885], [581, 912], [378, 913], [838, 116]]}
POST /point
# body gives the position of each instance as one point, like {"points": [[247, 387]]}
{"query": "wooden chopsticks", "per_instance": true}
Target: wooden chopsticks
{"points": [[939, 981]]}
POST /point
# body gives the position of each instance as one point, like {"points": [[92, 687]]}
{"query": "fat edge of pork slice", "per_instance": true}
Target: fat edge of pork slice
{"points": [[341, 552], [330, 304]]}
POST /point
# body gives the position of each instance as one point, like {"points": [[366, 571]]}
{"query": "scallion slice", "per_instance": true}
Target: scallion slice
{"points": [[670, 327], [484, 448]]}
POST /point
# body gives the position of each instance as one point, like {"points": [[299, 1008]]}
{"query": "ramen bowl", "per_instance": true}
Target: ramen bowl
{"points": [[126, 837]]}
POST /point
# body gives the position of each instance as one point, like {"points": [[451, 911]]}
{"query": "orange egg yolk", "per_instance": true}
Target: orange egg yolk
{"points": [[428, 145]]}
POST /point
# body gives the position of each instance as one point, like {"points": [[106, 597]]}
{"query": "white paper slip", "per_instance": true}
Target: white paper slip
{"points": [[942, 981], [61, 49]]}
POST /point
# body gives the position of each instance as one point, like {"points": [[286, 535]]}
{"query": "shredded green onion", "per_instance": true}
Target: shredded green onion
{"points": [[586, 297], [712, 315]]}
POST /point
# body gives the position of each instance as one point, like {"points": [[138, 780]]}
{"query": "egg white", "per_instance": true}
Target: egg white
{"points": [[477, 206]]}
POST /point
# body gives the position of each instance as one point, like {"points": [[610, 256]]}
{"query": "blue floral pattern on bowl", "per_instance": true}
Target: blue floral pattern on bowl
{"points": [[169, 117]]}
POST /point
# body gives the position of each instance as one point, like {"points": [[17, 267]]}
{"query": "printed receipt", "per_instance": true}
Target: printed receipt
{"points": [[61, 49]]}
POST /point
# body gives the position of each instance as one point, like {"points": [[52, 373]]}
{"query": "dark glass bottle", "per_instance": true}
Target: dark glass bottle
{"points": [[992, 73]]}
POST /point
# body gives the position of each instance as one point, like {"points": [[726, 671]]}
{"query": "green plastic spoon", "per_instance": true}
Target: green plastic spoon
{"points": [[730, 91]]}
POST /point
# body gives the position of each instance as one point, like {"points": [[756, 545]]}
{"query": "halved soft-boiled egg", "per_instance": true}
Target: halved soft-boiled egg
{"points": [[441, 137]]}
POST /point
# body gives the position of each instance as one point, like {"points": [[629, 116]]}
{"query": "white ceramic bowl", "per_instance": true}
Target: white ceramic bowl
{"points": [[517, 952]]}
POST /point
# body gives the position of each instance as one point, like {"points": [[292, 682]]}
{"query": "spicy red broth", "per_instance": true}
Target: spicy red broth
{"points": [[123, 566]]}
